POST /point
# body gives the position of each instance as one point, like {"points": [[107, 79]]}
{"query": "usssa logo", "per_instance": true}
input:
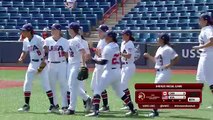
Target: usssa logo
{"points": [[141, 96]]}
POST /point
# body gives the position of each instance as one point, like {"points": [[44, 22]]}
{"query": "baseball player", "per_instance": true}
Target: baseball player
{"points": [[99, 68], [85, 45], [33, 44], [57, 49], [164, 59], [127, 58], [76, 59], [205, 65], [111, 75]]}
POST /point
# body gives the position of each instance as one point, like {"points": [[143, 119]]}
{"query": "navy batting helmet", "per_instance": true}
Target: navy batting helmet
{"points": [[75, 26], [27, 27]]}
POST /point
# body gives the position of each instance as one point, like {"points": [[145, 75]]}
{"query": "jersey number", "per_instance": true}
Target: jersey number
{"points": [[115, 59], [71, 53], [61, 53], [38, 52], [161, 60]]}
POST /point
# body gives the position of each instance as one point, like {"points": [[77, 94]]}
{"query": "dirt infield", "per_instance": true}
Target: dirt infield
{"points": [[10, 84], [138, 70]]}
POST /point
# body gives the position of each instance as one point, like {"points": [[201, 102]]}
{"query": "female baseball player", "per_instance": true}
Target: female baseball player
{"points": [[205, 65], [99, 68], [111, 75], [57, 49], [127, 58], [76, 56], [33, 44], [164, 59]]}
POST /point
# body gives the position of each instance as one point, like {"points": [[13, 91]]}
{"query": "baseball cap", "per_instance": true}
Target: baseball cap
{"points": [[74, 26], [56, 26], [27, 27], [205, 16], [164, 37], [103, 28], [111, 34], [127, 32]]}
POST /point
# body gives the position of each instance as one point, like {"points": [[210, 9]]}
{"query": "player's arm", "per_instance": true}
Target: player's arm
{"points": [[175, 58], [83, 52], [148, 56], [87, 55], [172, 63], [208, 44], [22, 57], [23, 54], [102, 60]]}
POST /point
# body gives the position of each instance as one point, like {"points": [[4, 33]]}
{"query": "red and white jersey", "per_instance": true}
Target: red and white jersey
{"points": [[205, 35], [34, 47], [74, 50], [111, 53], [164, 55], [129, 48], [57, 49], [101, 44]]}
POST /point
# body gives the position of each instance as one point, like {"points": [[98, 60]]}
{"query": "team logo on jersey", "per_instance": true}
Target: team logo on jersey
{"points": [[32, 48], [56, 48]]}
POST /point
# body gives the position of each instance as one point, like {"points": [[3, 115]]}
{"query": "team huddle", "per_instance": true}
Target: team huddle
{"points": [[57, 59]]}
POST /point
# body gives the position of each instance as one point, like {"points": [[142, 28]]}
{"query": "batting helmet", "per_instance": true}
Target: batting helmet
{"points": [[27, 27], [207, 17], [56, 26], [75, 26], [165, 37]]}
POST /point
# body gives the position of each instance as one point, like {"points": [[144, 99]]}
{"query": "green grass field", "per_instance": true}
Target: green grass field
{"points": [[12, 98]]}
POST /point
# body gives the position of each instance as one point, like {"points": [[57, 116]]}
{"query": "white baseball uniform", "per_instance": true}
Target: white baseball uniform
{"points": [[35, 48], [128, 65], [74, 65], [163, 56], [98, 68], [112, 73], [205, 65], [57, 66], [85, 45]]}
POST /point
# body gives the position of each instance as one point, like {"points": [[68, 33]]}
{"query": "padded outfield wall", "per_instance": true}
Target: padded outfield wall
{"points": [[10, 51]]}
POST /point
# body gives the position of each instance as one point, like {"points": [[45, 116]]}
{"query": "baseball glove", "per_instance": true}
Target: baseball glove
{"points": [[83, 74], [41, 67]]}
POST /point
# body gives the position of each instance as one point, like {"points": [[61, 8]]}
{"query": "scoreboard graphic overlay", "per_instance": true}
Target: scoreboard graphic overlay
{"points": [[168, 96]]}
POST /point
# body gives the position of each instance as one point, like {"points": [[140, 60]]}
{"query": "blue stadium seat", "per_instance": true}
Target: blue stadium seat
{"points": [[29, 4], [18, 4], [3, 9], [12, 9], [10, 27], [34, 10], [5, 16], [169, 3], [39, 4], [7, 3]]}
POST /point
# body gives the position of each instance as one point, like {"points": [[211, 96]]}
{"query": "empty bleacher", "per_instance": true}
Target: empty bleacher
{"points": [[43, 13], [165, 15]]}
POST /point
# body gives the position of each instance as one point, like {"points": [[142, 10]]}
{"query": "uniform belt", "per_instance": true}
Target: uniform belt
{"points": [[114, 68], [124, 63], [56, 61], [36, 60], [158, 70]]}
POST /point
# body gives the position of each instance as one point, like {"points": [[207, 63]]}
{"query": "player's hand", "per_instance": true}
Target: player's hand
{"points": [[167, 66], [20, 60], [98, 52], [196, 47], [146, 55]]}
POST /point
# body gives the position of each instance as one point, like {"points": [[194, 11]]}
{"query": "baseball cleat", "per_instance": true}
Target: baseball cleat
{"points": [[69, 112], [104, 109], [125, 108], [88, 105], [63, 110], [153, 114], [209, 107], [53, 109], [132, 113], [25, 108], [93, 114]]}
